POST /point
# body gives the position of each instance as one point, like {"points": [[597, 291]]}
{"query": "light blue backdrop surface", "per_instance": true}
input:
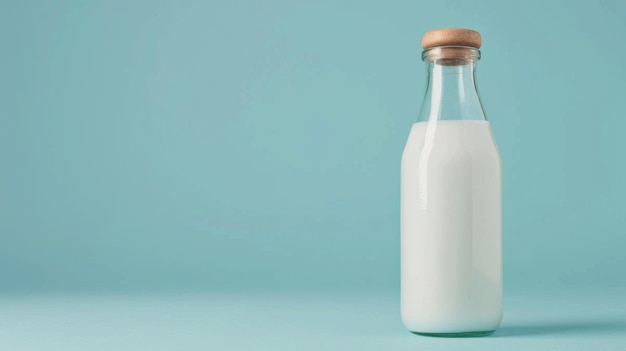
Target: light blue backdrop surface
{"points": [[206, 146], [218, 145]]}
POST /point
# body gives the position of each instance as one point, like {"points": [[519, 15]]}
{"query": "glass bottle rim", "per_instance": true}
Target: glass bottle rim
{"points": [[451, 55]]}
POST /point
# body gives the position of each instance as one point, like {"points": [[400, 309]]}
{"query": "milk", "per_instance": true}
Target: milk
{"points": [[451, 269]]}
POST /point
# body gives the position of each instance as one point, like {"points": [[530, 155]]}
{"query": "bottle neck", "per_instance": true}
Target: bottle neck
{"points": [[451, 93]]}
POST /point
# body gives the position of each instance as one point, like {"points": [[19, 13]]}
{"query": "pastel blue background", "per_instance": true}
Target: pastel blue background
{"points": [[254, 146]]}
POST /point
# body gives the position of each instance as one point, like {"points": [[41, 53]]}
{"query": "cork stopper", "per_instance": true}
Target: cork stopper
{"points": [[451, 37]]}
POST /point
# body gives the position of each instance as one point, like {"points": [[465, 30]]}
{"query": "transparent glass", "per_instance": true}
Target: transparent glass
{"points": [[451, 93], [451, 210]]}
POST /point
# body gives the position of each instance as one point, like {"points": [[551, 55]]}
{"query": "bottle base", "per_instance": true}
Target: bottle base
{"points": [[473, 334]]}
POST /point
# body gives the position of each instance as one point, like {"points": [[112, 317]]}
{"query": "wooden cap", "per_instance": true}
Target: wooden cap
{"points": [[451, 37]]}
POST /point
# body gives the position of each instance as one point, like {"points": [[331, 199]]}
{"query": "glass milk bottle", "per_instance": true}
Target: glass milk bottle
{"points": [[451, 266]]}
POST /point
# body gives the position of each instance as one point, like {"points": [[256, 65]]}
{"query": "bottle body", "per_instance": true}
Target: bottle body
{"points": [[451, 228], [451, 241]]}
